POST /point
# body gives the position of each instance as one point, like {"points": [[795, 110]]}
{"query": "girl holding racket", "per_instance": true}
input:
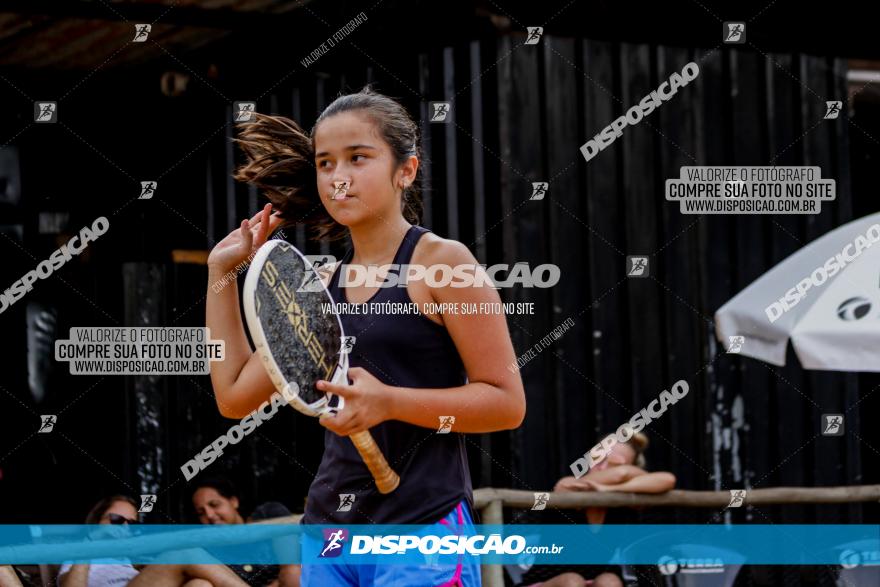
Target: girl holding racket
{"points": [[356, 174]]}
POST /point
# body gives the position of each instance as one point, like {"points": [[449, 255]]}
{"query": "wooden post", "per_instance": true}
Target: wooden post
{"points": [[146, 395], [493, 513]]}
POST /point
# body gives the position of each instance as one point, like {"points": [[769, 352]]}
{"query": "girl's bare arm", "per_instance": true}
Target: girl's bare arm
{"points": [[659, 482], [494, 398], [610, 476], [240, 382]]}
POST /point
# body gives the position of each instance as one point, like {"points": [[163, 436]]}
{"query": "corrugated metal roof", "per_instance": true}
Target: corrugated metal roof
{"points": [[81, 35]]}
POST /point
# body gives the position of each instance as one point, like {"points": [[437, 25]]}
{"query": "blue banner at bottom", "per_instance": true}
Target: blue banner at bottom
{"points": [[672, 546]]}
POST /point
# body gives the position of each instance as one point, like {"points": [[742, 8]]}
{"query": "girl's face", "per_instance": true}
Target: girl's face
{"points": [[213, 508], [349, 148]]}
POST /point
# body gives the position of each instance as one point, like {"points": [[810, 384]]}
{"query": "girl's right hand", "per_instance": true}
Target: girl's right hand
{"points": [[240, 244]]}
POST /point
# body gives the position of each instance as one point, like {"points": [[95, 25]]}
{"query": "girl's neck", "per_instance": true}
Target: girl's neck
{"points": [[377, 243]]}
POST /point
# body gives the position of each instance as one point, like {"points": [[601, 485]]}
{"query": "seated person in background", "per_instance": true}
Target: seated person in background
{"points": [[622, 469], [116, 509], [216, 502], [122, 509]]}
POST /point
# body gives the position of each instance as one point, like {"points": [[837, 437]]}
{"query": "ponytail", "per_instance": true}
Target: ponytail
{"points": [[281, 163]]}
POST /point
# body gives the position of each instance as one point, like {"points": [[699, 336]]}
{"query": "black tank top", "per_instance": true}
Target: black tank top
{"points": [[401, 350]]}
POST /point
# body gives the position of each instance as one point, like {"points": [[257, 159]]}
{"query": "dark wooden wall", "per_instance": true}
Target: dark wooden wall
{"points": [[744, 424], [520, 114]]}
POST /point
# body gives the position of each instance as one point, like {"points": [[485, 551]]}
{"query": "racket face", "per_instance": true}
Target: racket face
{"points": [[299, 344]]}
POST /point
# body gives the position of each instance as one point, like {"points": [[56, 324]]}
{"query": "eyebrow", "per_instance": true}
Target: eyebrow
{"points": [[348, 148]]}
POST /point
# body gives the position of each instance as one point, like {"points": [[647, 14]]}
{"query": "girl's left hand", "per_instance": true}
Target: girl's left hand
{"points": [[367, 403]]}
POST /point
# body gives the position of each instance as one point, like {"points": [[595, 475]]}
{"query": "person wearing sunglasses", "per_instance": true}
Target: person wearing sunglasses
{"points": [[116, 509], [121, 509], [114, 518], [621, 469]]}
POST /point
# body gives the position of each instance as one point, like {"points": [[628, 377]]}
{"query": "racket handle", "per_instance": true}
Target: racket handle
{"points": [[385, 477]]}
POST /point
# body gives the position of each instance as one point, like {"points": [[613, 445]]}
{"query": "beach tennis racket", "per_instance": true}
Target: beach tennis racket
{"points": [[299, 339]]}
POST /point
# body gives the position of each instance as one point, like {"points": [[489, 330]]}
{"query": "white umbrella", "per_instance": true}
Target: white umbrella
{"points": [[824, 297]]}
